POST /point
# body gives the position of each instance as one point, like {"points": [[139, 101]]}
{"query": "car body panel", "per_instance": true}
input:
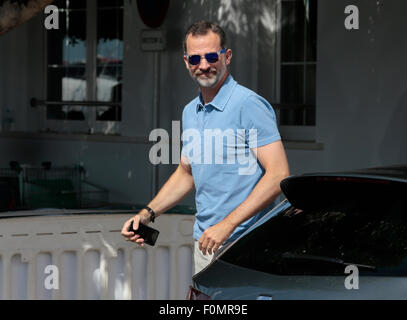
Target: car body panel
{"points": [[252, 284], [383, 189]]}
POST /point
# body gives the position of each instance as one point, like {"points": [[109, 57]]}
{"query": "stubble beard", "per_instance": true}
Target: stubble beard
{"points": [[212, 81]]}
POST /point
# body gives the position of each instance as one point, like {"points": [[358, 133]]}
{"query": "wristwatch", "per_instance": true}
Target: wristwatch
{"points": [[152, 217]]}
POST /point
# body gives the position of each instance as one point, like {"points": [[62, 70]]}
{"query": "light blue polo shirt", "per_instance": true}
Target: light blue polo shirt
{"points": [[216, 139]]}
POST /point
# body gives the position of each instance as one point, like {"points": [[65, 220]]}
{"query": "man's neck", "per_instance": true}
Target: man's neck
{"points": [[208, 94]]}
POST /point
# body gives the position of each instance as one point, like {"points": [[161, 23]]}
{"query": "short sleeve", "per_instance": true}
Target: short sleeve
{"points": [[259, 120]]}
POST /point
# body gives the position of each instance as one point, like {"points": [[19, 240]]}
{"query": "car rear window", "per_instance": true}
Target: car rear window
{"points": [[323, 242]]}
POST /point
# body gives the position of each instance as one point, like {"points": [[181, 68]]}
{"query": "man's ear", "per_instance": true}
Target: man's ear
{"points": [[228, 55], [186, 62]]}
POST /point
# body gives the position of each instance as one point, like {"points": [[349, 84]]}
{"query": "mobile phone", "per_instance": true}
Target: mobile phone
{"points": [[147, 233]]}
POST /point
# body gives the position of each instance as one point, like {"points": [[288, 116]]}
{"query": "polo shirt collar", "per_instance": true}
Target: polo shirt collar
{"points": [[222, 97]]}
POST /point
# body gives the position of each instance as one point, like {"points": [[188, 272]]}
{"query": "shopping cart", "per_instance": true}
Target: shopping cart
{"points": [[46, 186], [10, 198]]}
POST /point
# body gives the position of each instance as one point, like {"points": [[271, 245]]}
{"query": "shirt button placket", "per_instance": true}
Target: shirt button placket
{"points": [[201, 129]]}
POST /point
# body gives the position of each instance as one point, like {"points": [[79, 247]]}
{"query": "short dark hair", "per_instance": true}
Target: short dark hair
{"points": [[202, 28]]}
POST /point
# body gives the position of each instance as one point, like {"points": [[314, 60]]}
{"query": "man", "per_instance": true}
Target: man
{"points": [[228, 199]]}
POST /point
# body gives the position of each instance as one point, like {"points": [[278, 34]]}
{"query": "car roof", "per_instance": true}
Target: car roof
{"points": [[394, 173]]}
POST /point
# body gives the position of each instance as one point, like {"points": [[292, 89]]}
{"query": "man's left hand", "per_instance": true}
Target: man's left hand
{"points": [[215, 236]]}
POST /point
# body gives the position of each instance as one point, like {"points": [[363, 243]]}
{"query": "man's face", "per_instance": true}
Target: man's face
{"points": [[207, 74]]}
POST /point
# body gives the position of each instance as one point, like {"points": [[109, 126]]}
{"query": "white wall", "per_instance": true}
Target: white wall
{"points": [[92, 260], [361, 89], [21, 73]]}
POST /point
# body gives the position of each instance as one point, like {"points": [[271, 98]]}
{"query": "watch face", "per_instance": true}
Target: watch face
{"points": [[152, 217]]}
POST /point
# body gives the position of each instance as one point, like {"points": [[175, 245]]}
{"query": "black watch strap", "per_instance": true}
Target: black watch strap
{"points": [[152, 218]]}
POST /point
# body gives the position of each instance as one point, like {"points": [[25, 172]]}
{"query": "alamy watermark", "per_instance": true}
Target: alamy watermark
{"points": [[52, 20], [352, 281], [211, 146], [51, 282], [352, 20]]}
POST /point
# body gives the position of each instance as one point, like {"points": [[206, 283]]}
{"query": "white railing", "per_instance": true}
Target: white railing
{"points": [[85, 257]]}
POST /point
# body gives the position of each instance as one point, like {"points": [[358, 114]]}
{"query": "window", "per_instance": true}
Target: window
{"points": [[318, 242], [84, 64], [296, 69]]}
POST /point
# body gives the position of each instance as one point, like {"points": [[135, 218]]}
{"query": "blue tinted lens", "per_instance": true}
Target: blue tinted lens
{"points": [[194, 59], [211, 57]]}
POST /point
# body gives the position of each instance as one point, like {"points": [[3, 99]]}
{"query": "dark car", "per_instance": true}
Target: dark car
{"points": [[336, 236]]}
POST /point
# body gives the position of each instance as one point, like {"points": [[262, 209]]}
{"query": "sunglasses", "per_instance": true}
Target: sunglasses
{"points": [[211, 57]]}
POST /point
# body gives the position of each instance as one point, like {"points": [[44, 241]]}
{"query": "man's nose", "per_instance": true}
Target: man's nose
{"points": [[203, 64]]}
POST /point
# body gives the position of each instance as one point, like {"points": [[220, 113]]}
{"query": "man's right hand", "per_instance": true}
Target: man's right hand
{"points": [[173, 191], [130, 235]]}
